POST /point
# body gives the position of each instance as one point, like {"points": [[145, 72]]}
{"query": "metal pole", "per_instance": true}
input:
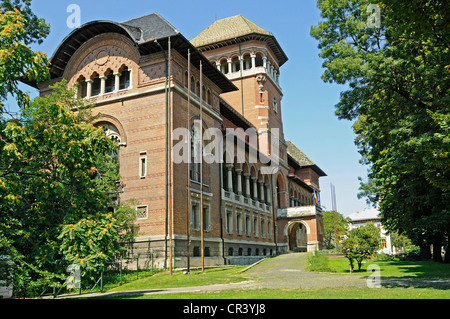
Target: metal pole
{"points": [[167, 180], [201, 169], [188, 222], [170, 162]]}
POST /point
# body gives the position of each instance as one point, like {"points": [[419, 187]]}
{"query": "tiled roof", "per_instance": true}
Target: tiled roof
{"points": [[368, 214], [227, 29], [298, 155], [304, 161], [153, 26]]}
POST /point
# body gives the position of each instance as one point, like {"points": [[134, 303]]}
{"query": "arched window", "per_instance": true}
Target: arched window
{"points": [[96, 85], [82, 87], [224, 66], [113, 133], [208, 97], [186, 78], [236, 64], [247, 62], [125, 79], [110, 82], [259, 60], [204, 93], [192, 84]]}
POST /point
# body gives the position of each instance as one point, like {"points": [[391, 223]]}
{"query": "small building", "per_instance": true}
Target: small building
{"points": [[373, 215]]}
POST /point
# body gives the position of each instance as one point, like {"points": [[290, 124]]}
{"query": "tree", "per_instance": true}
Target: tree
{"points": [[398, 84], [55, 207], [361, 243], [19, 27], [335, 227]]}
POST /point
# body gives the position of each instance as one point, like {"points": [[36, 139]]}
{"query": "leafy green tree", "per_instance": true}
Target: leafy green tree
{"points": [[56, 207], [361, 243], [398, 89], [335, 227], [19, 27]]}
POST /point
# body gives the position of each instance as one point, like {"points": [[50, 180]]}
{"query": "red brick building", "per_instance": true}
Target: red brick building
{"points": [[141, 90]]}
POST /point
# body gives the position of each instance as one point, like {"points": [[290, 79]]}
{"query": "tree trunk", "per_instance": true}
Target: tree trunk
{"points": [[447, 255], [425, 252], [437, 244]]}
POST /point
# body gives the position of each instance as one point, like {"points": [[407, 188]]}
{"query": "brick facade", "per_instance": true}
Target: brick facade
{"points": [[247, 213]]}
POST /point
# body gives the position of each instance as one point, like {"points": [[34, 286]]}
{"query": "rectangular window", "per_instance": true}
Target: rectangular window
{"points": [[195, 216], [239, 223], [142, 212], [263, 228], [255, 226], [229, 221], [143, 165], [206, 219], [248, 226]]}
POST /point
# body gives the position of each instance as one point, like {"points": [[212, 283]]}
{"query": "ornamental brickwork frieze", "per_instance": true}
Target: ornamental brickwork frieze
{"points": [[109, 52]]}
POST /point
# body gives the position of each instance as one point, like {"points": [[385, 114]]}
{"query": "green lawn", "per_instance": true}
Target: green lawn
{"points": [[396, 268], [212, 276], [324, 293], [231, 274]]}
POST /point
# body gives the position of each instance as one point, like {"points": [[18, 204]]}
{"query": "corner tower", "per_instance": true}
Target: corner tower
{"points": [[251, 58]]}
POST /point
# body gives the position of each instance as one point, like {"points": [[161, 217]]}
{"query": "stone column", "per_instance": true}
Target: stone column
{"points": [[261, 190], [102, 84], [117, 81], [230, 177], [253, 56], [89, 88], [229, 66], [255, 189], [239, 180], [247, 185]]}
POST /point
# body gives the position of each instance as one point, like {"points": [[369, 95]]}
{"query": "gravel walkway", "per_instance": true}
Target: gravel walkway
{"points": [[287, 271]]}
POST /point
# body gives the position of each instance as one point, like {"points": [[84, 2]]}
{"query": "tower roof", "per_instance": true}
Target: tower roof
{"points": [[237, 27], [227, 29]]}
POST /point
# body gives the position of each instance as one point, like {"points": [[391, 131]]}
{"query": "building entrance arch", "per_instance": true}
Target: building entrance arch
{"points": [[297, 233]]}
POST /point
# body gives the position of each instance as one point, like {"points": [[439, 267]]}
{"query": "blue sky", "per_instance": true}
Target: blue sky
{"points": [[308, 103]]}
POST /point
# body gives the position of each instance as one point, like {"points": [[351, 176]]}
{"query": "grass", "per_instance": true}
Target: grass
{"points": [[396, 268], [233, 274], [212, 276], [324, 293]]}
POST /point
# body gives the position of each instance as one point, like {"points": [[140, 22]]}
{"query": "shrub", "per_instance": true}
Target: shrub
{"points": [[317, 262]]}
